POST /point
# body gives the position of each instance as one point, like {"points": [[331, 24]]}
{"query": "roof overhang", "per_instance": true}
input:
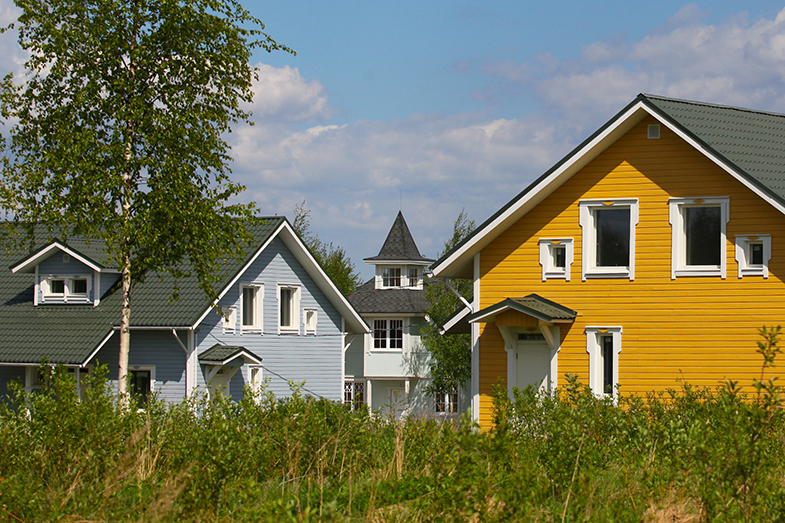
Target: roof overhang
{"points": [[458, 263], [532, 305], [222, 355], [457, 323], [28, 264], [353, 322]]}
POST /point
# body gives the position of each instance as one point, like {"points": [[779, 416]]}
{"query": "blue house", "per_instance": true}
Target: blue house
{"points": [[283, 320]]}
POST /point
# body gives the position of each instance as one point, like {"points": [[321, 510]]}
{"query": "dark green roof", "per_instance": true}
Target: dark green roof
{"points": [[222, 354], [70, 333], [532, 305]]}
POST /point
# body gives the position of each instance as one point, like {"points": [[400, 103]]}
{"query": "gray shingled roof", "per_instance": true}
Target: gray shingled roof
{"points": [[70, 333], [399, 244], [368, 300], [533, 305], [221, 355], [752, 143]]}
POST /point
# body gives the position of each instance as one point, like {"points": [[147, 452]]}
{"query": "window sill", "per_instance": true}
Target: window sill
{"points": [[393, 351], [754, 271], [698, 271], [251, 330], [607, 272], [554, 276]]}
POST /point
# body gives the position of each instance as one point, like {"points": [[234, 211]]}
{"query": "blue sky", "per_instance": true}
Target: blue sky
{"points": [[434, 106]]}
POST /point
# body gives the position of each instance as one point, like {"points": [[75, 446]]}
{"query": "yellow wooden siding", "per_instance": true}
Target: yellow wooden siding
{"points": [[515, 319], [700, 329]]}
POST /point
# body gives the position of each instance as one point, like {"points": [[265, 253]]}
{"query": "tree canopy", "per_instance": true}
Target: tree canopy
{"points": [[450, 353], [117, 131], [333, 259]]}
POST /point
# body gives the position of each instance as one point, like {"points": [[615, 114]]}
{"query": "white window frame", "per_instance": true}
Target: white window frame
{"points": [[744, 254], [446, 403], [549, 269], [594, 348], [67, 295], [255, 378], [229, 319], [144, 368], [413, 282], [589, 268], [350, 387], [387, 335], [295, 308], [401, 277], [313, 314], [257, 326], [679, 265], [32, 383]]}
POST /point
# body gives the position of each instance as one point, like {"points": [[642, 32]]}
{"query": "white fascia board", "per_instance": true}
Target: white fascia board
{"points": [[237, 276], [462, 257], [99, 347], [718, 161], [399, 262], [452, 322], [315, 271], [28, 265]]}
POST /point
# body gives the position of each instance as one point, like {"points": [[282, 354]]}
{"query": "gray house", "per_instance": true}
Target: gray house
{"points": [[284, 320], [389, 369]]}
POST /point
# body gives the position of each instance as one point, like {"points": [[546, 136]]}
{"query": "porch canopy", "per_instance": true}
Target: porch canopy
{"points": [[530, 311], [220, 356]]}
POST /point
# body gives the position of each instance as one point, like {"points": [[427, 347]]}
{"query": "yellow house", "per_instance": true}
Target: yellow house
{"points": [[652, 253]]}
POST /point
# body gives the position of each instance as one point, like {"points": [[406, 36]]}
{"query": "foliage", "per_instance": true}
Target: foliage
{"points": [[117, 131], [333, 259], [692, 454], [450, 354]]}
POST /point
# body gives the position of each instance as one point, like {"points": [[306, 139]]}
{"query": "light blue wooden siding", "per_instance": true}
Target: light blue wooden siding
{"points": [[7, 375], [313, 359], [156, 348], [106, 279], [355, 357], [56, 267]]}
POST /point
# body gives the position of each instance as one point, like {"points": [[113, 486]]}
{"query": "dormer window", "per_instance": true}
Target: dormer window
{"points": [[65, 289], [391, 277]]}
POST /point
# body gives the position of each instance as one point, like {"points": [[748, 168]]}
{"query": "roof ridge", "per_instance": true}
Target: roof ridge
{"points": [[707, 104]]}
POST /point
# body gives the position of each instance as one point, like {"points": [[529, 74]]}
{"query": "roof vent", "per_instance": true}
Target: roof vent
{"points": [[66, 257], [654, 131]]}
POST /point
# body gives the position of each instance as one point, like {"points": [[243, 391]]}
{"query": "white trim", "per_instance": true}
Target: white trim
{"points": [[549, 269], [258, 320], [589, 268], [99, 347], [573, 163], [28, 263], [310, 329], [593, 347], [67, 296], [387, 337], [744, 256], [294, 327], [475, 327], [679, 267]]}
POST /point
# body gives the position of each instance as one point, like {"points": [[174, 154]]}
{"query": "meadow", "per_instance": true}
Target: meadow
{"points": [[686, 455]]}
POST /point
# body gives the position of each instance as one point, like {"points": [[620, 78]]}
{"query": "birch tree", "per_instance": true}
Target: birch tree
{"points": [[117, 132]]}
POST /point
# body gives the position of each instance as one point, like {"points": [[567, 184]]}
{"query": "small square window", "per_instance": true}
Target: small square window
{"points": [[310, 320], [388, 334], [391, 277], [556, 257], [447, 402], [653, 131], [79, 286], [753, 254], [56, 286]]}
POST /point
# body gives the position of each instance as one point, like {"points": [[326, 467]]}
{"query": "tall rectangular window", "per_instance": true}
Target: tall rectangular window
{"points": [[251, 296], [613, 237], [354, 394], [249, 306], [702, 232], [288, 308], [606, 343], [414, 276], [140, 385]]}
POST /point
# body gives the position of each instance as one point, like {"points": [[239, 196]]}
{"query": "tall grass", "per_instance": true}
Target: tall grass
{"points": [[691, 454]]}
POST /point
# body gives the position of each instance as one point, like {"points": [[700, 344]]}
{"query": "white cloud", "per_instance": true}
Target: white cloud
{"points": [[282, 95]]}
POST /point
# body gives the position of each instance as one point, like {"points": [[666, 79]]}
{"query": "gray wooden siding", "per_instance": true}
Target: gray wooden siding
{"points": [[156, 348], [313, 359], [107, 279], [355, 356], [7, 375]]}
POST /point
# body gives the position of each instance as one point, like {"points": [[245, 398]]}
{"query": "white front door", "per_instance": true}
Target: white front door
{"points": [[533, 364]]}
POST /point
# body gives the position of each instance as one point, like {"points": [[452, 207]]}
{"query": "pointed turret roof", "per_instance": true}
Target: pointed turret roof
{"points": [[399, 245]]}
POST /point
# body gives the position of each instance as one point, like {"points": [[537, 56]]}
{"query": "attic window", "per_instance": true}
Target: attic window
{"points": [[66, 257], [654, 131], [66, 289]]}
